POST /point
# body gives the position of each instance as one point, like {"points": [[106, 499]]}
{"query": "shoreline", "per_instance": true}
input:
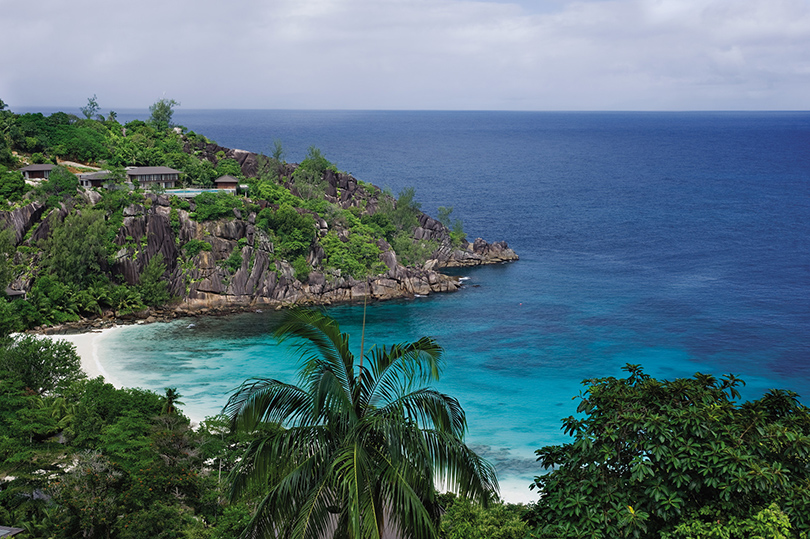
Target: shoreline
{"points": [[87, 347], [86, 344]]}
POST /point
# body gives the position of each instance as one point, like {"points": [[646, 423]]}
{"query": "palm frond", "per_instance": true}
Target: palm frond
{"points": [[297, 452], [266, 400], [459, 468], [411, 515], [429, 408], [316, 518], [323, 346], [402, 367]]}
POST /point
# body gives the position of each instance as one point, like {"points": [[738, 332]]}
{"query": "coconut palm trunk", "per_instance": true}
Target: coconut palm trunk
{"points": [[362, 446]]}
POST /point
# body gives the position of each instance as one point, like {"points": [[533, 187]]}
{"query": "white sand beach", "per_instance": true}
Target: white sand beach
{"points": [[87, 347]]}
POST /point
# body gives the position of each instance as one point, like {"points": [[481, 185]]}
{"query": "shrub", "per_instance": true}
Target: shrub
{"points": [[211, 206], [301, 267], [61, 183], [233, 262], [412, 252], [193, 247], [12, 184], [154, 290], [359, 256], [293, 231]]}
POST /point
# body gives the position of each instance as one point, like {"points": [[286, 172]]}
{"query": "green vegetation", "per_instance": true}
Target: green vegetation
{"points": [[60, 185], [77, 261], [77, 248], [41, 365], [161, 112], [194, 247], [12, 185], [229, 167], [6, 257], [154, 290], [464, 519], [292, 234], [234, 261], [308, 177], [456, 227], [210, 206], [80, 458], [354, 255], [90, 111], [362, 443], [677, 459]]}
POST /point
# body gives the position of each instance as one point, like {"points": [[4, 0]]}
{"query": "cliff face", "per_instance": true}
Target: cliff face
{"points": [[203, 281], [22, 219]]}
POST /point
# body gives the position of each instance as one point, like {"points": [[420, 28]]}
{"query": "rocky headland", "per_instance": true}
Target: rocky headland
{"points": [[203, 285]]}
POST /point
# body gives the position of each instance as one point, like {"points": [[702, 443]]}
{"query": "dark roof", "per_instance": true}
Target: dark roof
{"points": [[100, 175], [143, 171], [6, 531], [37, 168], [227, 178]]}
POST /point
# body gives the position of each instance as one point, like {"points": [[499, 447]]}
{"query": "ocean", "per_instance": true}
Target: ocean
{"points": [[678, 241]]}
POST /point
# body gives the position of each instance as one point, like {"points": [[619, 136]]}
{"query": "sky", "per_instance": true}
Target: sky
{"points": [[408, 54]]}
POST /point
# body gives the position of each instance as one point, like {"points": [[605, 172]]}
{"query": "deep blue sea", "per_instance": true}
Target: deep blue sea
{"points": [[680, 241]]}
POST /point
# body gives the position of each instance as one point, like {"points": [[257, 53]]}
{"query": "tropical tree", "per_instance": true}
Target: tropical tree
{"points": [[43, 365], [161, 112], [170, 400], [677, 459], [363, 444], [91, 110]]}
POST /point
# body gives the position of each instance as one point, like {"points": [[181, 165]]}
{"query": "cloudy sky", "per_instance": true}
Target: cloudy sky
{"points": [[408, 54]]}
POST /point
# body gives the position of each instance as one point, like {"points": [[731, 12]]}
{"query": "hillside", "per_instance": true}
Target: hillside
{"points": [[302, 233]]}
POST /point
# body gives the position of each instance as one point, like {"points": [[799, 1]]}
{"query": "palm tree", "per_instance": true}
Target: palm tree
{"points": [[362, 444], [171, 399]]}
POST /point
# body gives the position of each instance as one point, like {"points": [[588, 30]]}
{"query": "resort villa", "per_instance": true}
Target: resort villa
{"points": [[164, 177], [227, 182], [37, 172], [94, 179], [147, 177]]}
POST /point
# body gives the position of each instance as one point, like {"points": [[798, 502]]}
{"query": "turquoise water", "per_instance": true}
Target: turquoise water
{"points": [[187, 193], [677, 241]]}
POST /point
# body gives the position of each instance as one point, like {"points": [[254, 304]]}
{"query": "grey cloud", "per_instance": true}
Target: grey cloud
{"points": [[422, 54]]}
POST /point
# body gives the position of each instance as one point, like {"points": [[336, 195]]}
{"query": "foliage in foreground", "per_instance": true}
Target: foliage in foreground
{"points": [[464, 519], [82, 459], [677, 459], [362, 444]]}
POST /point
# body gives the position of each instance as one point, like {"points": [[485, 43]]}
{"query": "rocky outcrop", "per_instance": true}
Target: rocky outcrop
{"points": [[22, 219], [198, 274], [213, 152], [347, 192], [476, 253], [204, 282]]}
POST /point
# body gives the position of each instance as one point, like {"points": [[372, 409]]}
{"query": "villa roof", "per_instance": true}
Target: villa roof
{"points": [[226, 179], [100, 175], [143, 171], [7, 531], [37, 168]]}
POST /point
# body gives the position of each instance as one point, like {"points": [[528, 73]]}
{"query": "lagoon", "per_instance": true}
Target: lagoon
{"points": [[679, 241]]}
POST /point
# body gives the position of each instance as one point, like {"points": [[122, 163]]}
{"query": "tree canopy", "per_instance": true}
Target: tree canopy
{"points": [[162, 112], [656, 458], [41, 364]]}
